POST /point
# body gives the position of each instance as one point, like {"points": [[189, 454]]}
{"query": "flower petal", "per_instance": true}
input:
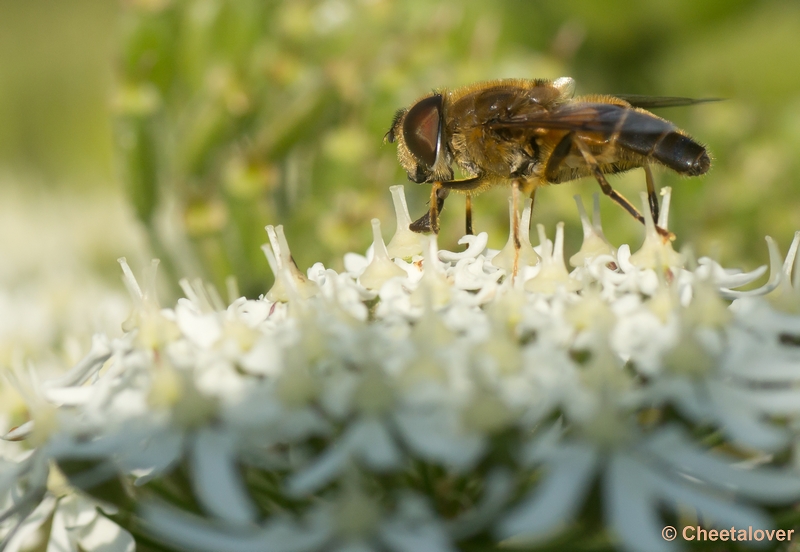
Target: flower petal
{"points": [[103, 535], [557, 498], [214, 477], [767, 485], [197, 534], [631, 506]]}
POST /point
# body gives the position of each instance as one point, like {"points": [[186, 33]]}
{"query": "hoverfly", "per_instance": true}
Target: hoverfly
{"points": [[533, 133]]}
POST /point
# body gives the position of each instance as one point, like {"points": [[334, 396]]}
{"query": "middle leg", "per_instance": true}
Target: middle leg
{"points": [[469, 215]]}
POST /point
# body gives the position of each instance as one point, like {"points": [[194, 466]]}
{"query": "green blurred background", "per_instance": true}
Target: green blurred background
{"points": [[178, 129]]}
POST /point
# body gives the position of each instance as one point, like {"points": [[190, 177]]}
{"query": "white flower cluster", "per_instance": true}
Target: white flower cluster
{"points": [[424, 400]]}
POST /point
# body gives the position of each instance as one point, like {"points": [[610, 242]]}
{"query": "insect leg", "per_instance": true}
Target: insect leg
{"points": [[434, 207], [515, 203], [469, 214], [652, 197], [612, 193], [424, 223], [465, 185], [533, 200], [515, 219]]}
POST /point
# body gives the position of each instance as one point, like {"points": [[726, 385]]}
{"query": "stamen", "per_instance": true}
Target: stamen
{"points": [[552, 273], [282, 260], [405, 243], [594, 243], [433, 288], [775, 276], [790, 257], [663, 215], [654, 253], [381, 269], [130, 280], [527, 256], [232, 287]]}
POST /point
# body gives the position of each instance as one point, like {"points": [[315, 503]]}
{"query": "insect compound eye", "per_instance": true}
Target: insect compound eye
{"points": [[421, 129], [391, 136]]}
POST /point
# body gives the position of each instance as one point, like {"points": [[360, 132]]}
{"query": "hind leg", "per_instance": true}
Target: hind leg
{"points": [[615, 195], [652, 196]]}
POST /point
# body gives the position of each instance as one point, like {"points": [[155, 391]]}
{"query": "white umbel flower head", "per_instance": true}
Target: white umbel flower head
{"points": [[425, 399]]}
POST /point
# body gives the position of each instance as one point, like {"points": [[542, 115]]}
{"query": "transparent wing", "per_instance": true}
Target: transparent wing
{"points": [[598, 116], [653, 102], [583, 117]]}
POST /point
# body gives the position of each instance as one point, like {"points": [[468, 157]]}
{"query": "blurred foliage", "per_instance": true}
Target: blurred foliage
{"points": [[55, 76], [232, 114]]}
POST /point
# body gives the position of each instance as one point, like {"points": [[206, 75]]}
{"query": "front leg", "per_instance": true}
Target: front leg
{"points": [[429, 222]]}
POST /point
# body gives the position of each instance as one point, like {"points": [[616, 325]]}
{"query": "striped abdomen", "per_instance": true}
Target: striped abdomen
{"points": [[650, 136]]}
